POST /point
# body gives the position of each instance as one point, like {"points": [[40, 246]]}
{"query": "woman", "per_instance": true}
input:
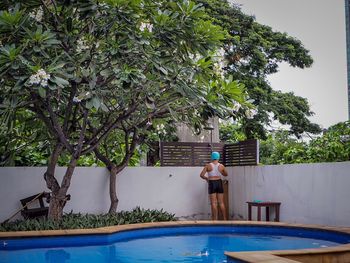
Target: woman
{"points": [[215, 171]]}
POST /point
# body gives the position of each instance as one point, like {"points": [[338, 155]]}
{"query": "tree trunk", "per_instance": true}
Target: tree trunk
{"points": [[59, 198], [56, 208], [52, 183], [113, 190], [113, 170]]}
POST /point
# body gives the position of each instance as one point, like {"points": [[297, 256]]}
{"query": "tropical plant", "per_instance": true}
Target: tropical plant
{"points": [[92, 71], [80, 221]]}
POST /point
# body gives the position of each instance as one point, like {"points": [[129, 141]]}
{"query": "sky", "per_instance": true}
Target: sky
{"points": [[320, 26]]}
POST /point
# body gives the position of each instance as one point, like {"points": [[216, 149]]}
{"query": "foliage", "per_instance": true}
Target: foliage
{"points": [[76, 63], [97, 74], [23, 144], [332, 146], [252, 53], [79, 221], [229, 132], [280, 146]]}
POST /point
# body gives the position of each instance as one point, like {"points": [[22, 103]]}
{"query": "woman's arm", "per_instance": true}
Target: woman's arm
{"points": [[223, 170], [202, 174]]}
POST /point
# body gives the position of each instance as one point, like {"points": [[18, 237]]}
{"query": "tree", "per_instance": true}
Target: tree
{"points": [[24, 143], [282, 148], [92, 71], [332, 146], [253, 52]]}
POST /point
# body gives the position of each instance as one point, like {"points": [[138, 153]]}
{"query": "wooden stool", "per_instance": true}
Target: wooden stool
{"points": [[275, 205]]}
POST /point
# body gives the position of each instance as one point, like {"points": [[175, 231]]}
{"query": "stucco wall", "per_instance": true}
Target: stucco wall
{"points": [[177, 190], [310, 193]]}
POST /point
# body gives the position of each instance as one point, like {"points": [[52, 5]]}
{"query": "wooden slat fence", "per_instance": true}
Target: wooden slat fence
{"points": [[242, 153], [198, 154], [187, 153]]}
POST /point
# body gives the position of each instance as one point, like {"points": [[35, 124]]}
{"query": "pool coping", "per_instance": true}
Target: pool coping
{"points": [[251, 256]]}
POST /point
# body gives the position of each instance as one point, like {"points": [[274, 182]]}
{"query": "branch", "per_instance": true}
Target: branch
{"points": [[108, 129], [81, 136], [128, 151], [57, 127], [69, 108], [49, 175], [104, 159]]}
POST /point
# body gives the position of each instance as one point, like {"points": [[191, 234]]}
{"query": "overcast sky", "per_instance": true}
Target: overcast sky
{"points": [[320, 25]]}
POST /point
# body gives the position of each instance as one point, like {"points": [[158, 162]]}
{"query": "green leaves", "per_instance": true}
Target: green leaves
{"points": [[9, 55], [60, 82], [42, 38], [252, 52], [79, 221], [282, 148], [10, 21]]}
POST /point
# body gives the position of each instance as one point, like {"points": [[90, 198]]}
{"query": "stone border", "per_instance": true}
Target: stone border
{"points": [[277, 256]]}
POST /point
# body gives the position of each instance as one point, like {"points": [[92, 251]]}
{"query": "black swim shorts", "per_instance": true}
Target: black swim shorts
{"points": [[215, 186]]}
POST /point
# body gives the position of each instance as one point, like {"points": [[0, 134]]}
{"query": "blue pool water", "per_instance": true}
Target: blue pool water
{"points": [[168, 244]]}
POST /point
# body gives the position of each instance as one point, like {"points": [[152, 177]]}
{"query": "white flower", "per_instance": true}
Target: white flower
{"points": [[76, 100], [250, 113], [40, 78], [103, 5], [161, 129], [236, 106], [43, 75], [220, 63], [147, 26], [149, 123], [43, 83], [218, 69], [81, 45], [220, 53], [38, 15]]}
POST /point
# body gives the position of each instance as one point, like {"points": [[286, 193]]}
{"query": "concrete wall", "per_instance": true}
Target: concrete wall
{"points": [[310, 193], [185, 133], [177, 190]]}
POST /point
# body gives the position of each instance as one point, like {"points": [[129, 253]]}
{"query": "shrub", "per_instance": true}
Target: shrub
{"points": [[79, 221]]}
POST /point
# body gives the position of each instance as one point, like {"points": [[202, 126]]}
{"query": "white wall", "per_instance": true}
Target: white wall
{"points": [[310, 193], [177, 190]]}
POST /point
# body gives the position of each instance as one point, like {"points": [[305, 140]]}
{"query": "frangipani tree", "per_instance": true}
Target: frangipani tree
{"points": [[91, 69]]}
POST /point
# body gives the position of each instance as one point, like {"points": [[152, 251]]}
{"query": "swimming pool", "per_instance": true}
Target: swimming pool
{"points": [[170, 242]]}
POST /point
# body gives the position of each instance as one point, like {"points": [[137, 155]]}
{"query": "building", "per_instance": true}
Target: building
{"points": [[185, 134], [347, 22]]}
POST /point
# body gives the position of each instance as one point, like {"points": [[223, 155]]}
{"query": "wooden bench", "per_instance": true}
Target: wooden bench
{"points": [[29, 211], [268, 205]]}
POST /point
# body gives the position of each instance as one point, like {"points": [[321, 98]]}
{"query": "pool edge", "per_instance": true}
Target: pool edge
{"points": [[341, 252]]}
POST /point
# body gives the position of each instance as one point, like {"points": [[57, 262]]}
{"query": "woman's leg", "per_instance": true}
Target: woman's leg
{"points": [[214, 206], [221, 202]]}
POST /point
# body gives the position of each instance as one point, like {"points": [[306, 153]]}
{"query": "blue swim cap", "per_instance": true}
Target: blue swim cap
{"points": [[215, 156]]}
